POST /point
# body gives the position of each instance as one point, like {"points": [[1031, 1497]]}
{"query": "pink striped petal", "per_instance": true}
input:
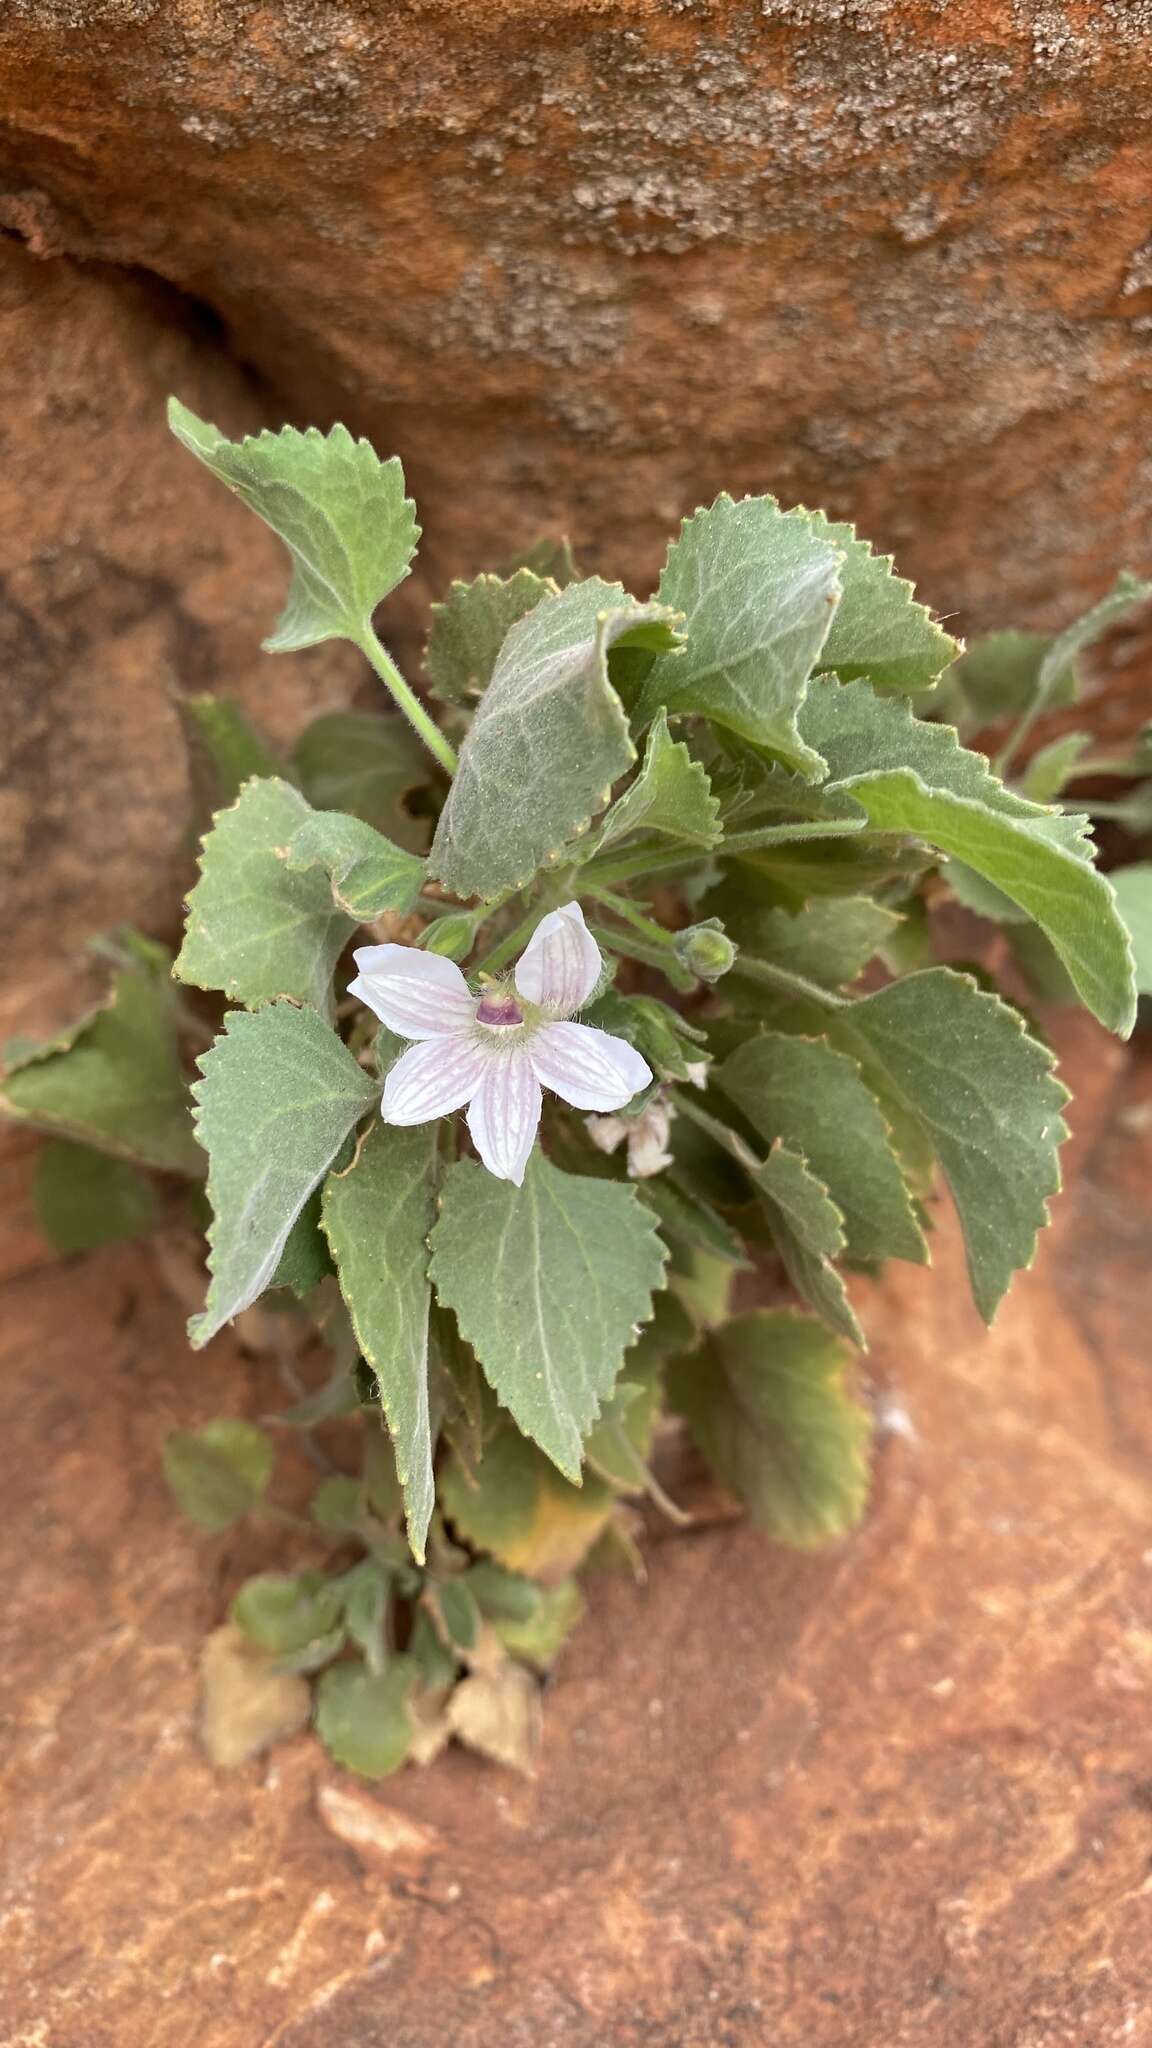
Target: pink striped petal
{"points": [[560, 965], [432, 1079], [504, 1113], [417, 995], [586, 1067]]}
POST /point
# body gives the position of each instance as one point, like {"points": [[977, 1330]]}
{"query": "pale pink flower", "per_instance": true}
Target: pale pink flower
{"points": [[646, 1137], [495, 1051]]}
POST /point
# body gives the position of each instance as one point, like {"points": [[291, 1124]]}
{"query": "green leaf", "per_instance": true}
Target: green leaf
{"points": [[879, 630], [539, 1637], [224, 750], [115, 1081], [912, 777], [459, 1613], [285, 1613], [551, 557], [366, 1591], [671, 794], [254, 929], [548, 740], [279, 1096], [684, 1216], [1133, 886], [758, 590], [219, 1472], [1053, 766], [812, 1097], [765, 1400], [549, 1282], [85, 1198], [1126, 594], [377, 1216], [621, 1441], [517, 1507], [470, 627], [998, 676], [338, 1505], [305, 1260], [961, 1064], [830, 940], [808, 1232], [502, 1595], [339, 510], [366, 763], [668, 1041], [367, 873], [362, 1718]]}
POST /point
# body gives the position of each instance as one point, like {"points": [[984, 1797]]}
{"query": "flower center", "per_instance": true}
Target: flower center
{"points": [[498, 1010]]}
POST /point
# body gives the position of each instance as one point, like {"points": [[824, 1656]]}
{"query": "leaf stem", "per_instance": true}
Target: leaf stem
{"points": [[767, 972], [407, 699], [643, 862]]}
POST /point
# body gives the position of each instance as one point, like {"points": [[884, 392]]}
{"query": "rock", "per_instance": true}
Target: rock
{"points": [[381, 1837]]}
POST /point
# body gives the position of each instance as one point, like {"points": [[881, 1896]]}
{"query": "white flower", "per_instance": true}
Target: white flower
{"points": [[646, 1137], [497, 1050]]}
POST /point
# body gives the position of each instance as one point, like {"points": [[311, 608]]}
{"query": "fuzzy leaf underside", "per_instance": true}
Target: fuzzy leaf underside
{"points": [[255, 929], [470, 627], [368, 875], [764, 1398], [377, 1217], [280, 1093], [879, 631], [340, 511], [549, 1283], [758, 591], [548, 740]]}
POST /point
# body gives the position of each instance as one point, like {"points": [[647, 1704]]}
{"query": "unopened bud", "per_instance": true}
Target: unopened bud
{"points": [[451, 936], [706, 950]]}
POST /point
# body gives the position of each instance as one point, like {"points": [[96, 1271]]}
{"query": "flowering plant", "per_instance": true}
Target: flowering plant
{"points": [[647, 901]]}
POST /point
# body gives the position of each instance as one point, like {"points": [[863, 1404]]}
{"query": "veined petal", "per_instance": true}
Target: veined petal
{"points": [[417, 995], [588, 1068], [432, 1079], [561, 963], [504, 1113]]}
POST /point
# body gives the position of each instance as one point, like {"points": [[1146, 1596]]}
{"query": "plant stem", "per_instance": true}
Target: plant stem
{"points": [[622, 908], [790, 984], [643, 863], [406, 698], [512, 943]]}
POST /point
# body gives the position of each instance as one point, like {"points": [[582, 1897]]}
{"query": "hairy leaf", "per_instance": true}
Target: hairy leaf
{"points": [[998, 677], [758, 590], [86, 1198], [1133, 886], [362, 1718], [670, 794], [219, 1472], [279, 1095], [339, 510], [224, 751], [765, 1400], [805, 1093], [548, 740], [808, 1231], [255, 929], [830, 940], [367, 763], [367, 873], [549, 1282], [377, 1216], [470, 627], [879, 630], [517, 1506]]}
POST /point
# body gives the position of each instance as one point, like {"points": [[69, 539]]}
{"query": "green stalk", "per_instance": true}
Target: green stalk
{"points": [[788, 983], [407, 699], [627, 865]]}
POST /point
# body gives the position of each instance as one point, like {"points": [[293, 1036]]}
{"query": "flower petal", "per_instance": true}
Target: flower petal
{"points": [[417, 995], [504, 1113], [588, 1068], [561, 964], [431, 1080]]}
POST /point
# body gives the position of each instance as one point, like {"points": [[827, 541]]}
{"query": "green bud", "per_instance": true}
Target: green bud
{"points": [[705, 949], [451, 936]]}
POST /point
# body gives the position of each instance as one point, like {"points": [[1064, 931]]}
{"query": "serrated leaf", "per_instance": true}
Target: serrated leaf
{"points": [[670, 794], [808, 1232], [550, 557], [517, 1507], [811, 1097], [255, 930], [85, 1198], [219, 1472], [279, 1095], [366, 763], [685, 1216], [367, 873], [1126, 594], [224, 750], [830, 940], [362, 1718], [758, 591], [114, 1081], [764, 1398], [984, 1093], [1133, 886], [879, 630], [549, 1282], [912, 777], [788, 876], [470, 627], [339, 510], [998, 676], [1054, 766], [377, 1217], [548, 740]]}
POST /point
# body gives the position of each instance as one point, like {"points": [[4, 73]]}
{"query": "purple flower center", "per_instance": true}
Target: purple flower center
{"points": [[499, 1010]]}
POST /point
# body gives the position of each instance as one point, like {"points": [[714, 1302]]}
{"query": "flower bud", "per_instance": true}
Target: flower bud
{"points": [[451, 936], [705, 949]]}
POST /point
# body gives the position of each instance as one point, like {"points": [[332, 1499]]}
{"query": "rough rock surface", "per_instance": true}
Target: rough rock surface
{"points": [[894, 1796], [588, 262]]}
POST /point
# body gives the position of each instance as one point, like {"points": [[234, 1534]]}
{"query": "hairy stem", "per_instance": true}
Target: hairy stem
{"points": [[407, 699], [788, 983]]}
